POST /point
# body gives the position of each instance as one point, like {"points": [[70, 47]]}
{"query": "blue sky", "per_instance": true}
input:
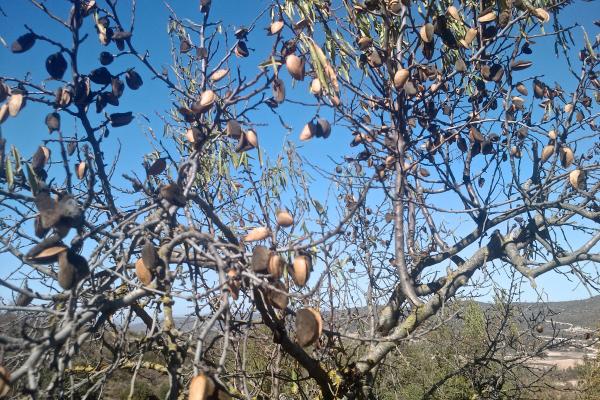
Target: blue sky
{"points": [[153, 100]]}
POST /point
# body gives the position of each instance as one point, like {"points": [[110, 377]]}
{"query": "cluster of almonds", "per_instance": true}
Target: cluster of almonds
{"points": [[309, 324], [59, 215]]}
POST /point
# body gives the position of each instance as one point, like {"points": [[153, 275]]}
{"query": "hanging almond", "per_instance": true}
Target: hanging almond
{"points": [[157, 167], [547, 152], [207, 99], [522, 89], [15, 104], [275, 265], [400, 78], [301, 269], [71, 269], [566, 157], [251, 137], [241, 49], [142, 272], [219, 74], [489, 17], [284, 218], [276, 27], [552, 134], [48, 255], [568, 107], [315, 87], [308, 131], [541, 14], [260, 258], [295, 66], [233, 129], [426, 32], [81, 169], [248, 141], [453, 12], [515, 152], [277, 299], [309, 326], [469, 37], [202, 387], [364, 42], [577, 179], [150, 256], [256, 234]]}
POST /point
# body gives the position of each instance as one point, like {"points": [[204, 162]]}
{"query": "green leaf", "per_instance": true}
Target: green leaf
{"points": [[32, 179], [10, 178], [17, 157]]}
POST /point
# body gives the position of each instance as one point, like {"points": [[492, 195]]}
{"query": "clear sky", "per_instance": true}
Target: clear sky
{"points": [[153, 100]]}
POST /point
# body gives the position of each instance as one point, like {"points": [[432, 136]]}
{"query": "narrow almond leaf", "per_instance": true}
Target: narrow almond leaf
{"points": [[32, 179], [10, 178], [17, 157]]}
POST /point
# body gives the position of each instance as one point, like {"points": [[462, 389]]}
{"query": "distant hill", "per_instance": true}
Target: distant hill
{"points": [[583, 313]]}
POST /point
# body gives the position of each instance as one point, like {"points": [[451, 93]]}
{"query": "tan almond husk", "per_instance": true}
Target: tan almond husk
{"points": [[541, 14], [284, 218], [522, 89], [364, 42], [308, 132], [207, 98], [454, 13], [301, 268], [276, 27], [258, 233], [426, 32], [219, 74], [547, 152], [315, 87], [202, 387], [143, 274], [566, 157], [49, 255], [295, 66], [568, 107], [552, 134], [81, 170], [489, 17], [15, 104], [251, 137], [275, 265], [400, 78], [469, 37], [577, 179]]}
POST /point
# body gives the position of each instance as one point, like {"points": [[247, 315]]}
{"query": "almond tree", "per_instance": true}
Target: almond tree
{"points": [[464, 165]]}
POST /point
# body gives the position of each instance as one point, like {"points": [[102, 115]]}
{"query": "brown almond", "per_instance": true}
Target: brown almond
{"points": [[284, 218], [143, 274], [202, 387], [275, 265], [256, 234], [301, 268]]}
